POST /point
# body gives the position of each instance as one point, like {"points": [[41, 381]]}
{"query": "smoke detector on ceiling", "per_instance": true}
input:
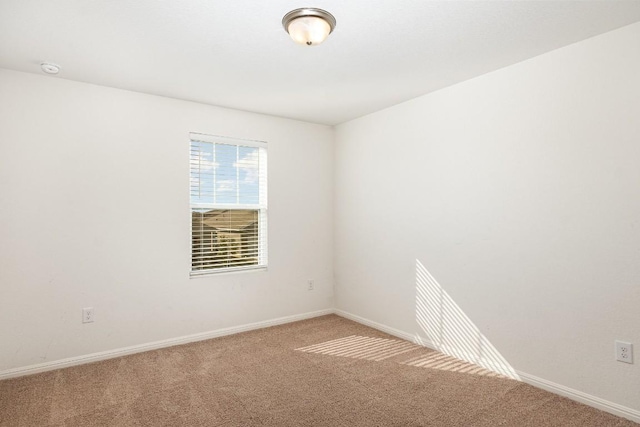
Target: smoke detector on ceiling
{"points": [[50, 68]]}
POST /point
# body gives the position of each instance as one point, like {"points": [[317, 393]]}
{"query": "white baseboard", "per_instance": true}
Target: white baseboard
{"points": [[379, 326], [578, 396], [110, 354]]}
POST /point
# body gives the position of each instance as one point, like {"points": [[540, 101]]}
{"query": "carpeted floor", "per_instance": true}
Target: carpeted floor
{"points": [[326, 371]]}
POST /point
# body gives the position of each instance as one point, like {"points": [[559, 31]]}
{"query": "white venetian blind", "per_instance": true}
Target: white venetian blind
{"points": [[228, 204]]}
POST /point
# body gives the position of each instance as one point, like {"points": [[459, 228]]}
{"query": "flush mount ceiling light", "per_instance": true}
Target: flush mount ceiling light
{"points": [[50, 68], [309, 26]]}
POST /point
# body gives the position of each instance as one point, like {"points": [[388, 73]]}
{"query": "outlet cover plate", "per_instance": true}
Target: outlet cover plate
{"points": [[624, 352], [88, 315]]}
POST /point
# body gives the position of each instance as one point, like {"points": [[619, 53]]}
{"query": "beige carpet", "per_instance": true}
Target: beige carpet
{"points": [[326, 371]]}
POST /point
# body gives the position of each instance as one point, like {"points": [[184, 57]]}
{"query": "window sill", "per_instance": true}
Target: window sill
{"points": [[209, 273]]}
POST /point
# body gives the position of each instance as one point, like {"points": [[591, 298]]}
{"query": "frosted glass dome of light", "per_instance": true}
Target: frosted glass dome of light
{"points": [[309, 30]]}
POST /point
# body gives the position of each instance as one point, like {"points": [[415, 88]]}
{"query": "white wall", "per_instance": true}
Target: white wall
{"points": [[94, 211], [519, 191]]}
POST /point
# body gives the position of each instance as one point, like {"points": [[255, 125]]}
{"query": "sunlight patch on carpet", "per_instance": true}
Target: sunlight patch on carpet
{"points": [[442, 362], [378, 349], [357, 347]]}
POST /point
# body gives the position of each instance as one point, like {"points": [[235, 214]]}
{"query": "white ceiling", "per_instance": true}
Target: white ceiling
{"points": [[235, 53]]}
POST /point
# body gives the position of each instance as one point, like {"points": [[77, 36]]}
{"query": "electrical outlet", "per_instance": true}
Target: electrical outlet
{"points": [[88, 315], [624, 352], [310, 284]]}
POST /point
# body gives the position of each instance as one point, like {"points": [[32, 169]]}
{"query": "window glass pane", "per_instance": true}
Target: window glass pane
{"points": [[202, 172], [226, 174], [248, 161], [224, 238]]}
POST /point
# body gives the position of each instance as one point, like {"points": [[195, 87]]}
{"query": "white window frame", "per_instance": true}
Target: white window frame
{"points": [[261, 207]]}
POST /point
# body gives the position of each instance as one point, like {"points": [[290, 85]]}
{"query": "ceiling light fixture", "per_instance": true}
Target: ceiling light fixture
{"points": [[309, 26], [50, 68]]}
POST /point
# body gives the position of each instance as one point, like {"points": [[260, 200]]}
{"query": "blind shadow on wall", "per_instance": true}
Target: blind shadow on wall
{"points": [[449, 330]]}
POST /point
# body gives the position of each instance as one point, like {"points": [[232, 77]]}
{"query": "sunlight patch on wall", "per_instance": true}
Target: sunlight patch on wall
{"points": [[449, 330]]}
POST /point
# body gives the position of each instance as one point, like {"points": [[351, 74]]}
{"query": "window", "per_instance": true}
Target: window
{"points": [[228, 204]]}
